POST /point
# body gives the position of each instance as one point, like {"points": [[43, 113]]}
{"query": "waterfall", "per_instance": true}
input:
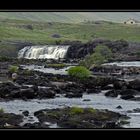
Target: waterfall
{"points": [[42, 52]]}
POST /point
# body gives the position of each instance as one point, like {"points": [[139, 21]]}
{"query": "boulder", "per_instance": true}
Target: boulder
{"points": [[86, 100], [112, 93], [46, 93], [127, 97], [25, 113], [135, 84], [129, 92], [28, 93], [119, 85], [119, 107], [35, 125], [8, 90], [10, 120], [135, 99], [93, 90], [73, 95]]}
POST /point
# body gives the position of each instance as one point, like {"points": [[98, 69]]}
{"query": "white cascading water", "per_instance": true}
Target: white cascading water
{"points": [[43, 52]]}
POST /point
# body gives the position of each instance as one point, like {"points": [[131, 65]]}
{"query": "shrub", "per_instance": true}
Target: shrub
{"points": [[1, 110], [76, 110], [13, 69], [79, 72]]}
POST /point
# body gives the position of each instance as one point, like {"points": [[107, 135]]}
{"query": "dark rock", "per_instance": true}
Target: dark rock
{"points": [[28, 93], [108, 87], [79, 117], [7, 88], [79, 50], [56, 36], [124, 122], [110, 125], [119, 85], [73, 95], [93, 91], [35, 88], [46, 93], [35, 125], [135, 99], [127, 97], [134, 84], [129, 92], [137, 110], [86, 100], [11, 119], [112, 93], [25, 113], [119, 107]]}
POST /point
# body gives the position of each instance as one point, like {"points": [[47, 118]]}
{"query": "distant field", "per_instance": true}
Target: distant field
{"points": [[49, 33]]}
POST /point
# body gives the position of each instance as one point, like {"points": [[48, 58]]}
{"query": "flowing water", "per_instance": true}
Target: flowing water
{"points": [[125, 64], [43, 52], [62, 71], [98, 101]]}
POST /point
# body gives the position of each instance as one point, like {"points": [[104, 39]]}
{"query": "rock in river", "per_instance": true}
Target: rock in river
{"points": [[75, 117], [127, 97], [112, 93], [73, 95]]}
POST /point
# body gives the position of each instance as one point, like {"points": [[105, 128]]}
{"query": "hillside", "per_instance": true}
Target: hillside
{"points": [[70, 17], [15, 34]]}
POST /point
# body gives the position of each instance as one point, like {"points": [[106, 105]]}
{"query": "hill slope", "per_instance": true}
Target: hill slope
{"points": [[28, 32], [70, 17]]}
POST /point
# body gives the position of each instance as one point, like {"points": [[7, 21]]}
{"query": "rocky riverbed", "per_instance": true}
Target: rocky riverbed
{"points": [[38, 96]]}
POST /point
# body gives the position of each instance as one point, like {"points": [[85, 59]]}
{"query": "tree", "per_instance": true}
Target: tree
{"points": [[94, 59], [102, 54], [104, 51]]}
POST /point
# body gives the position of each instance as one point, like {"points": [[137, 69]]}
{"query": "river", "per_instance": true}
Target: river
{"points": [[97, 101]]}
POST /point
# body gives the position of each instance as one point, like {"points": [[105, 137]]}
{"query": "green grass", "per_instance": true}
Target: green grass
{"points": [[76, 110], [42, 33], [13, 69], [56, 65]]}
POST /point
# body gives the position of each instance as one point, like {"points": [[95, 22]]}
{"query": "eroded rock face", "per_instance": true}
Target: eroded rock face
{"points": [[80, 50], [80, 118]]}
